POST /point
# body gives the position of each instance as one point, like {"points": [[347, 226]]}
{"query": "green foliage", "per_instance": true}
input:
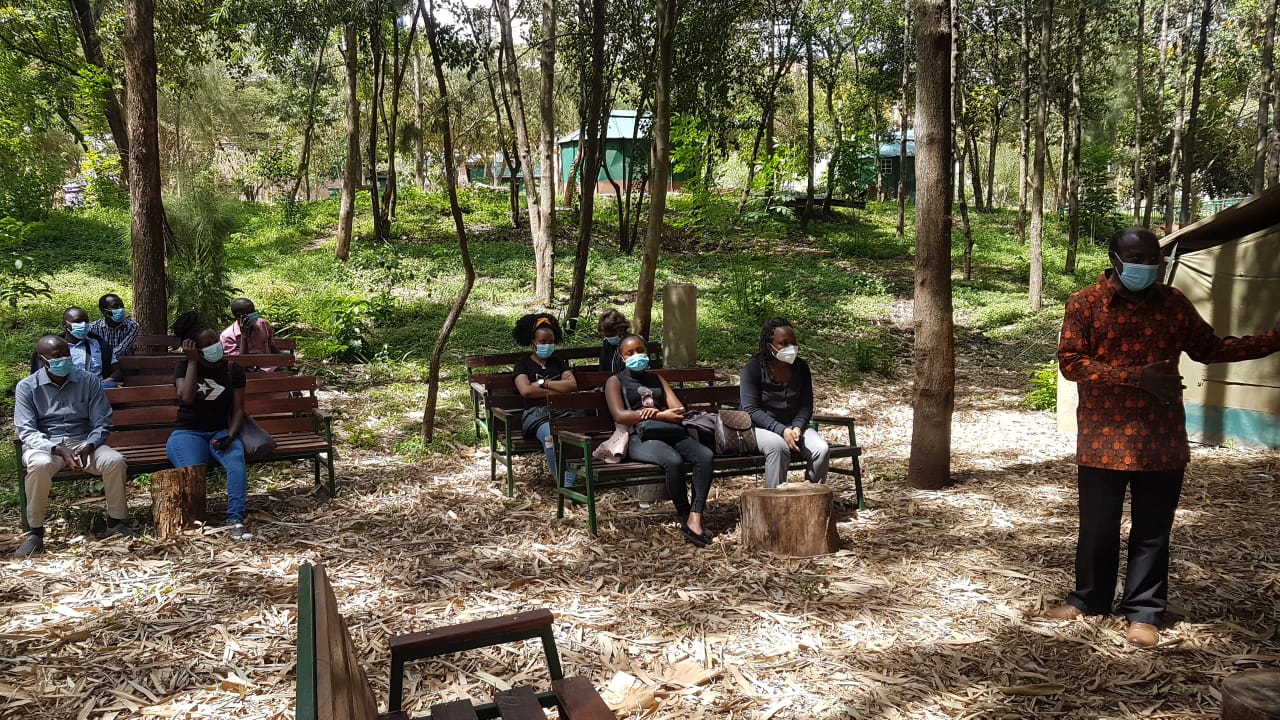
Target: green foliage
{"points": [[104, 178], [1044, 387], [1098, 216], [20, 279], [202, 221]]}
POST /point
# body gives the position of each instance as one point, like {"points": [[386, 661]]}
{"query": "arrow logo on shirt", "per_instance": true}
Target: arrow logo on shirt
{"points": [[209, 389]]}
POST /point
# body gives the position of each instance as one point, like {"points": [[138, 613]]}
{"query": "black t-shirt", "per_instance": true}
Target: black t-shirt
{"points": [[215, 387], [641, 390], [610, 358], [528, 367]]}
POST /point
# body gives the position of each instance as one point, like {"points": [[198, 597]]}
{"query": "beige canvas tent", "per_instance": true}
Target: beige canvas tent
{"points": [[1228, 265]]}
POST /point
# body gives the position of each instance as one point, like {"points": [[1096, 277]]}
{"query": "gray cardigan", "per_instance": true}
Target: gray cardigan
{"points": [[774, 406]]}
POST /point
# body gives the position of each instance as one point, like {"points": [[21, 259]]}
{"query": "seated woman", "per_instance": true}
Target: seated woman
{"points": [[613, 326], [538, 375], [636, 396], [776, 388], [210, 412]]}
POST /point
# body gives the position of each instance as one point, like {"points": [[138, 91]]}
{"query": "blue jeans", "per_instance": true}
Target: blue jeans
{"points": [[549, 448], [191, 447]]}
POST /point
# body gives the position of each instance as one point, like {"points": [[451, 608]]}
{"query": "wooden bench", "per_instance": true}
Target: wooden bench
{"points": [[158, 369], [143, 417], [505, 407], [332, 685], [481, 375], [144, 344], [578, 435]]}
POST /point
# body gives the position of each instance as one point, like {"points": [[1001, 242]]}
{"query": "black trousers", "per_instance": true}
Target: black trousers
{"points": [[1154, 498], [670, 456]]}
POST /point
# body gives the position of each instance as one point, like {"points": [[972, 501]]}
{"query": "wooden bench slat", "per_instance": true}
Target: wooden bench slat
{"points": [[146, 415], [580, 701], [465, 635], [519, 703], [454, 710]]}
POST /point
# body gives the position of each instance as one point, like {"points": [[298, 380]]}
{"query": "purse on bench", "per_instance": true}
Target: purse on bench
{"points": [[734, 433], [258, 443]]}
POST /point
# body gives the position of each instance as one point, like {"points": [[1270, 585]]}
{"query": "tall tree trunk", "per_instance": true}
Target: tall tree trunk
{"points": [[575, 168], [959, 144], [469, 272], [544, 248], [810, 149], [975, 170], [351, 171], [1193, 119], [1137, 113], [1162, 77], [591, 144], [1077, 70], [1064, 158], [838, 127], [966, 230], [503, 122], [1266, 95], [512, 82], [146, 210], [379, 59], [661, 173], [997, 118], [1024, 138], [933, 398], [419, 148], [1036, 280], [900, 230], [1179, 122], [91, 45], [391, 121], [304, 159]]}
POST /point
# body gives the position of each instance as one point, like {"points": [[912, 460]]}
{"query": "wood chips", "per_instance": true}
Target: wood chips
{"points": [[927, 613]]}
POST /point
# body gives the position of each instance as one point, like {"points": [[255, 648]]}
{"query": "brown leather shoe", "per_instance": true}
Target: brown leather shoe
{"points": [[1143, 635], [1064, 611]]}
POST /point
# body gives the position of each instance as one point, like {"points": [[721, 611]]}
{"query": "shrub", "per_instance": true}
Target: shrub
{"points": [[1044, 387]]}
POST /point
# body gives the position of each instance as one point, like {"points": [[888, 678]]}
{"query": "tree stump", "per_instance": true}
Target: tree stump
{"points": [[177, 500], [1251, 695], [794, 519]]}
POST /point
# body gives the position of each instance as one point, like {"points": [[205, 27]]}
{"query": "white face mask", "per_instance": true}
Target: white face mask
{"points": [[786, 354]]}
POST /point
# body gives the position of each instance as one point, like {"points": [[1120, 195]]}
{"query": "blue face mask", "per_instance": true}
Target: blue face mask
{"points": [[79, 330], [252, 317], [613, 340], [1138, 277], [213, 353], [118, 315], [60, 366], [638, 362]]}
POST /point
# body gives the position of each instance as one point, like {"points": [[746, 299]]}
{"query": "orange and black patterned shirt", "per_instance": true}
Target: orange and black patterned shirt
{"points": [[1107, 338]]}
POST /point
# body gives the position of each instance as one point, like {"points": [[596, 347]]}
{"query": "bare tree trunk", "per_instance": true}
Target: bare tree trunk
{"points": [[590, 146], [997, 118], [544, 247], [351, 172], [502, 118], [975, 169], [1137, 113], [379, 59], [1064, 158], [959, 146], [1193, 120], [1266, 95], [1077, 70], [933, 398], [512, 81], [146, 210], [419, 148], [810, 149], [91, 45], [399, 66], [901, 228], [469, 272], [661, 172], [1024, 139], [571, 177], [1179, 122], [1036, 282], [304, 160]]}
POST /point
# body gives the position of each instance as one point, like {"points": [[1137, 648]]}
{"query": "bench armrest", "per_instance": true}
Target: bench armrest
{"points": [[841, 420]]}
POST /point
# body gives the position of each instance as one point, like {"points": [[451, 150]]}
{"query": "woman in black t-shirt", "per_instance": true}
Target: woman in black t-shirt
{"points": [[538, 375], [636, 396], [210, 412]]}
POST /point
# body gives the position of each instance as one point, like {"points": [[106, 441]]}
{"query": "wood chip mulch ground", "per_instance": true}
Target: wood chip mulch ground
{"points": [[929, 611]]}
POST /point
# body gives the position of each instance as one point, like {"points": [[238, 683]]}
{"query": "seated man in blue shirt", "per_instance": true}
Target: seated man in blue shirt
{"points": [[89, 352], [115, 326], [63, 419]]}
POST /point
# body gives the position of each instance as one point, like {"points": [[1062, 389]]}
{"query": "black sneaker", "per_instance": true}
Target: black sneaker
{"points": [[116, 528], [32, 545], [240, 532]]}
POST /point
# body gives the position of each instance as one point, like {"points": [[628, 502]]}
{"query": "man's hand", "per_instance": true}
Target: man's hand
{"points": [[792, 436], [1162, 380], [190, 350], [69, 456]]}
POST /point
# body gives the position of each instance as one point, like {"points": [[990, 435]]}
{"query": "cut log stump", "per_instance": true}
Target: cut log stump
{"points": [[1251, 695], [177, 500], [794, 519]]}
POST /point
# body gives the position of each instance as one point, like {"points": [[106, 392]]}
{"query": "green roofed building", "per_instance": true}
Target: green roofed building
{"points": [[627, 141]]}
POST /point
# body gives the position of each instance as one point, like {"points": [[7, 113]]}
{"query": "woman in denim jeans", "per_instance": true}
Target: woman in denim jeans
{"points": [[210, 412]]}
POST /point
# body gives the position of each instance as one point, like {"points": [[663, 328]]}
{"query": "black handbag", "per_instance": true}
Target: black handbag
{"points": [[734, 433], [258, 443], [660, 430]]}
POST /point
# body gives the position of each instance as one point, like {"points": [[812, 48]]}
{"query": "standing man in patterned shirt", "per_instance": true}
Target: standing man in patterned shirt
{"points": [[115, 326], [1121, 341]]}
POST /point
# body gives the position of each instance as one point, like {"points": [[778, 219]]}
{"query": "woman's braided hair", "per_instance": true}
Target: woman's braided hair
{"points": [[766, 335], [188, 326]]}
